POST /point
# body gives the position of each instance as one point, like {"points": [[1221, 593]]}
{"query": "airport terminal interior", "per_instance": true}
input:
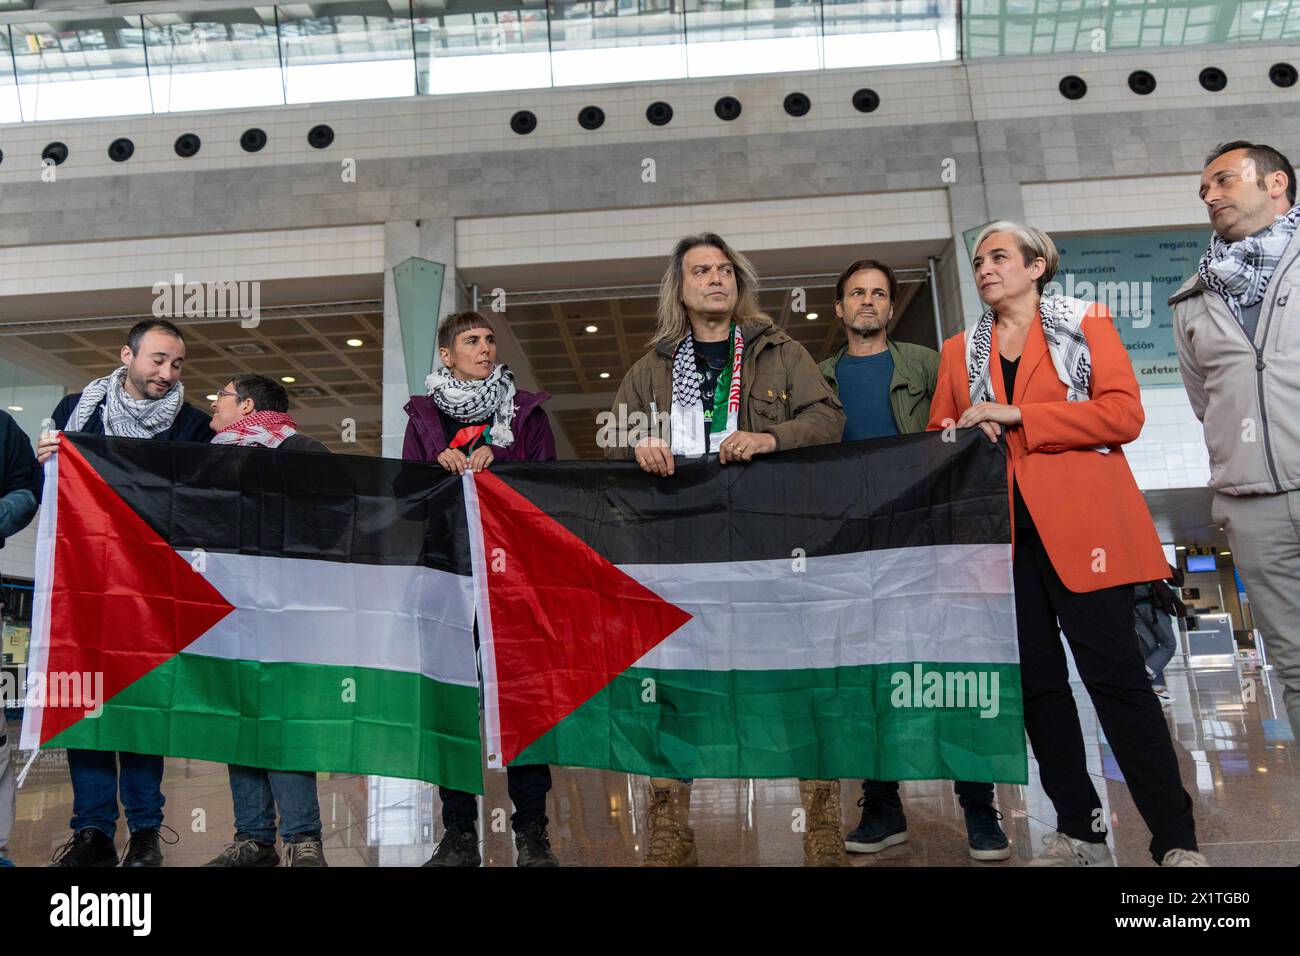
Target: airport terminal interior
{"points": [[305, 187]]}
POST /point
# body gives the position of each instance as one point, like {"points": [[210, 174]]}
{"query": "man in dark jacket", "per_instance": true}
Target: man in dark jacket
{"points": [[254, 410], [19, 487], [472, 416], [142, 398]]}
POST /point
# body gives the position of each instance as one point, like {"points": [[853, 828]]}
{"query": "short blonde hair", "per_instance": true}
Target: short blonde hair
{"points": [[1033, 243]]}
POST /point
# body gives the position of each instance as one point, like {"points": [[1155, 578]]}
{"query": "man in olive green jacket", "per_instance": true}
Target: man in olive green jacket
{"points": [[721, 377], [886, 387], [864, 298]]}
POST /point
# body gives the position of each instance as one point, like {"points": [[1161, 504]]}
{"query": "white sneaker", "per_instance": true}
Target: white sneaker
{"points": [[1163, 694], [1065, 850], [1183, 858]]}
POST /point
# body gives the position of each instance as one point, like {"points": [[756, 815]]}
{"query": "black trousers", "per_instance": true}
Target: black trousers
{"points": [[527, 786], [1099, 627], [968, 791]]}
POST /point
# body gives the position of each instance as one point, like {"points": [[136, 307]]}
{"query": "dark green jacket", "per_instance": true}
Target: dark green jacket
{"points": [[915, 370]]}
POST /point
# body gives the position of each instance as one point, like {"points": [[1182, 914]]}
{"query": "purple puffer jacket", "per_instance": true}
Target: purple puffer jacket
{"points": [[425, 439]]}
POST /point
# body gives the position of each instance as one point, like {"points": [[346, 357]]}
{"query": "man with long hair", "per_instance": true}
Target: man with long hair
{"points": [[721, 377]]}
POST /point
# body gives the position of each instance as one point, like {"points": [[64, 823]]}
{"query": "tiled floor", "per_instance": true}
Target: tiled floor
{"points": [[1238, 761]]}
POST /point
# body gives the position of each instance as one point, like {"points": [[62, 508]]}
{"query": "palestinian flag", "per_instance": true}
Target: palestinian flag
{"points": [[834, 612], [275, 609]]}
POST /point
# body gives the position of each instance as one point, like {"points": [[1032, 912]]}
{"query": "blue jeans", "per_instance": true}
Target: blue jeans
{"points": [[96, 785], [258, 792]]}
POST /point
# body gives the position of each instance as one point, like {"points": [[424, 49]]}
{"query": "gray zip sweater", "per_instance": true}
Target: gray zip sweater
{"points": [[1245, 392]]}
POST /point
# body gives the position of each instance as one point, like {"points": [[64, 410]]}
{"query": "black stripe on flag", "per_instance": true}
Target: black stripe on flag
{"points": [[909, 491], [228, 498]]}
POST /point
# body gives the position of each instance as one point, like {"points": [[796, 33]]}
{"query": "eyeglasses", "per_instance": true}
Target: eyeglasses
{"points": [[224, 394]]}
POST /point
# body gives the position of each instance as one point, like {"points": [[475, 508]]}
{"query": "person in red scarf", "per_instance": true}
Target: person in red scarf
{"points": [[473, 416], [253, 410]]}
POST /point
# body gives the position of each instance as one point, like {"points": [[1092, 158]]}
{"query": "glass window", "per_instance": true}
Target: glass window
{"points": [[220, 60], [369, 53], [489, 50], [601, 42], [79, 68]]}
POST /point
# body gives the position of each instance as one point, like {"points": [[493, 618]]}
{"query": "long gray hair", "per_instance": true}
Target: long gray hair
{"points": [[673, 321]]}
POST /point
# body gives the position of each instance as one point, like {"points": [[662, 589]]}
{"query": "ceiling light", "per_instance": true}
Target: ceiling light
{"points": [[356, 343], [15, 408], [604, 375], [1181, 547], [812, 315], [212, 398], [288, 379], [592, 328]]}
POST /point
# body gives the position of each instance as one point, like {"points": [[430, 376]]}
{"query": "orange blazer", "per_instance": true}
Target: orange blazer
{"points": [[1086, 506]]}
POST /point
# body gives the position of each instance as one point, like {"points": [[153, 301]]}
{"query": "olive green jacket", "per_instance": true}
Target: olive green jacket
{"points": [[915, 370], [781, 391]]}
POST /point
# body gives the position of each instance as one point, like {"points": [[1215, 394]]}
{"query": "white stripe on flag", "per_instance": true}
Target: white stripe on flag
{"points": [[353, 615], [39, 648], [945, 603]]}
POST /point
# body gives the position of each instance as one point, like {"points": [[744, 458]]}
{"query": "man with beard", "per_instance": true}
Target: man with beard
{"points": [[141, 398], [886, 387]]}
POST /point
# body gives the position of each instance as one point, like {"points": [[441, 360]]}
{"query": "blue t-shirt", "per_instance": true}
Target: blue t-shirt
{"points": [[864, 389]]}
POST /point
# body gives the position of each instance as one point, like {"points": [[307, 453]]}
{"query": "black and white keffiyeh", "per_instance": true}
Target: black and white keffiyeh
{"points": [[474, 400], [1240, 271], [1062, 320], [687, 419], [124, 416]]}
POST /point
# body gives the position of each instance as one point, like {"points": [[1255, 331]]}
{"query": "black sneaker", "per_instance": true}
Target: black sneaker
{"points": [[883, 825], [246, 852], [88, 847], [984, 834], [304, 849], [458, 848], [533, 847], [143, 849]]}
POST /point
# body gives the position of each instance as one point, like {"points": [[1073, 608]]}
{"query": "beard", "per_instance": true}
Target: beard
{"points": [[867, 324], [145, 386]]}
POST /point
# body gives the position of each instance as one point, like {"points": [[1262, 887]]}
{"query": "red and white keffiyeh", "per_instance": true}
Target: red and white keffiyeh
{"points": [[267, 429]]}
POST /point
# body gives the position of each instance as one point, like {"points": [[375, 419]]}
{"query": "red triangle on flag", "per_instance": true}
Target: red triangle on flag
{"points": [[565, 621], [122, 601]]}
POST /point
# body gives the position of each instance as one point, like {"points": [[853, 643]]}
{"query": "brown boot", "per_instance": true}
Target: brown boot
{"points": [[669, 841], [823, 836]]}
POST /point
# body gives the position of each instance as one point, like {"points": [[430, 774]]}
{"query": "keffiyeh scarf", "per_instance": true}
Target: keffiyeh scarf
{"points": [[268, 429], [476, 399], [687, 421], [1240, 271], [124, 416], [1062, 320]]}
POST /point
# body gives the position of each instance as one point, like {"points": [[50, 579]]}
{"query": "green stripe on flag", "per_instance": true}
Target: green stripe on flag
{"points": [[293, 716], [863, 721]]}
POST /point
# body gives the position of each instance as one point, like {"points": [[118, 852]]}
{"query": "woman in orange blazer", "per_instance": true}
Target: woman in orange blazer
{"points": [[1052, 374]]}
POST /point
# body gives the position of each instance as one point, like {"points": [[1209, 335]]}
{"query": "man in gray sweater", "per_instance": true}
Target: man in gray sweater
{"points": [[1237, 326]]}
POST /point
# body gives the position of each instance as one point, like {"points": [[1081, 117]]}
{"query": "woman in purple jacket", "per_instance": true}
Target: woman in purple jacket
{"points": [[473, 416]]}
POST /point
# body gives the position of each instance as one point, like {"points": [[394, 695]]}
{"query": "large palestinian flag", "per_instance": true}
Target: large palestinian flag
{"points": [[277, 609], [842, 611]]}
